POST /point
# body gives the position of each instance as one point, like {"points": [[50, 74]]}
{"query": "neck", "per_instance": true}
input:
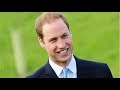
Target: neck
{"points": [[62, 63]]}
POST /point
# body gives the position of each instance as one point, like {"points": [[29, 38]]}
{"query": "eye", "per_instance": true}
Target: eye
{"points": [[64, 36], [53, 40]]}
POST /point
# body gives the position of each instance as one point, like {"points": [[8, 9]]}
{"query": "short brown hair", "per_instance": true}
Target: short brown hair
{"points": [[48, 17]]}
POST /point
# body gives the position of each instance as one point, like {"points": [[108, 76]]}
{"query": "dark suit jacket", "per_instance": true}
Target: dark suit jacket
{"points": [[85, 69]]}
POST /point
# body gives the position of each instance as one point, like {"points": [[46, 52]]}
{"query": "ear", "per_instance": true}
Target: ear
{"points": [[41, 42]]}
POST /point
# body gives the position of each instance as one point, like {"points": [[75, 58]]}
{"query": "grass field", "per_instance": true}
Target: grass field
{"points": [[95, 37]]}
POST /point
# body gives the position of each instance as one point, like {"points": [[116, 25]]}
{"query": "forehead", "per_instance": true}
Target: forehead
{"points": [[54, 29]]}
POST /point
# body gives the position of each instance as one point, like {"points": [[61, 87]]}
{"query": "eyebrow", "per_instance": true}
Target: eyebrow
{"points": [[65, 34], [54, 38]]}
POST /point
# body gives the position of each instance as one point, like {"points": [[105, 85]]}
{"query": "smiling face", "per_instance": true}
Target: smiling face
{"points": [[57, 41]]}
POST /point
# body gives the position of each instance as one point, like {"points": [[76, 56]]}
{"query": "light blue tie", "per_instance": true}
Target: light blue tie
{"points": [[65, 71]]}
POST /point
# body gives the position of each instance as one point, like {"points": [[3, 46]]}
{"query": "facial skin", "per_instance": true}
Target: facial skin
{"points": [[57, 41]]}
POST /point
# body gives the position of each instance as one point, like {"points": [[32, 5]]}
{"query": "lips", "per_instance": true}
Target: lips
{"points": [[63, 51]]}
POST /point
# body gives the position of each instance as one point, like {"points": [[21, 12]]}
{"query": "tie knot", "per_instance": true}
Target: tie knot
{"points": [[65, 71]]}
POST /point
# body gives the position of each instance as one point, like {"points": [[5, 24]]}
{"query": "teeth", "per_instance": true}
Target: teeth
{"points": [[63, 51]]}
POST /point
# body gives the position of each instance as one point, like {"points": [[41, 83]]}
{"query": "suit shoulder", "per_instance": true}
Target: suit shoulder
{"points": [[89, 62], [37, 73], [93, 68]]}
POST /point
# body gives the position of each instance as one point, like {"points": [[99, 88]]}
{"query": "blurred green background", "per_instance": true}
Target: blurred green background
{"points": [[95, 37]]}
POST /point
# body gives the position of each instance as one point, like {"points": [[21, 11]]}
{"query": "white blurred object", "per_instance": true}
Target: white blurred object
{"points": [[18, 53]]}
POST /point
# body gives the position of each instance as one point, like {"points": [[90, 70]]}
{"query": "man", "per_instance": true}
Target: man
{"points": [[54, 35]]}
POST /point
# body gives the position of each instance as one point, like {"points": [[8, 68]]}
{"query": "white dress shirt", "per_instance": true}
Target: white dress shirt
{"points": [[72, 73]]}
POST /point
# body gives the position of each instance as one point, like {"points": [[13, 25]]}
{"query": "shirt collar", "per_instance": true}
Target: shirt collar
{"points": [[58, 69]]}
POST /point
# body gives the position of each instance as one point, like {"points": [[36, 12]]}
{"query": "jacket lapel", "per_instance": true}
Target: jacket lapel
{"points": [[49, 72], [81, 71]]}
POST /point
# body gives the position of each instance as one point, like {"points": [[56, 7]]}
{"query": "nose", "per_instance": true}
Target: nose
{"points": [[61, 44]]}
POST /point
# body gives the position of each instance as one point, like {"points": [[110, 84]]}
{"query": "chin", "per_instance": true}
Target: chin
{"points": [[65, 59]]}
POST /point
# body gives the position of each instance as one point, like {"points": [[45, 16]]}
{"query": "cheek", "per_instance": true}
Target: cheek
{"points": [[51, 47], [69, 41]]}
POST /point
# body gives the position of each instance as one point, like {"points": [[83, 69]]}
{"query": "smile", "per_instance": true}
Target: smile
{"points": [[63, 51]]}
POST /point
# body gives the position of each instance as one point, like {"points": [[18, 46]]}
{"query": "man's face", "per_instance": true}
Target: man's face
{"points": [[57, 41]]}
